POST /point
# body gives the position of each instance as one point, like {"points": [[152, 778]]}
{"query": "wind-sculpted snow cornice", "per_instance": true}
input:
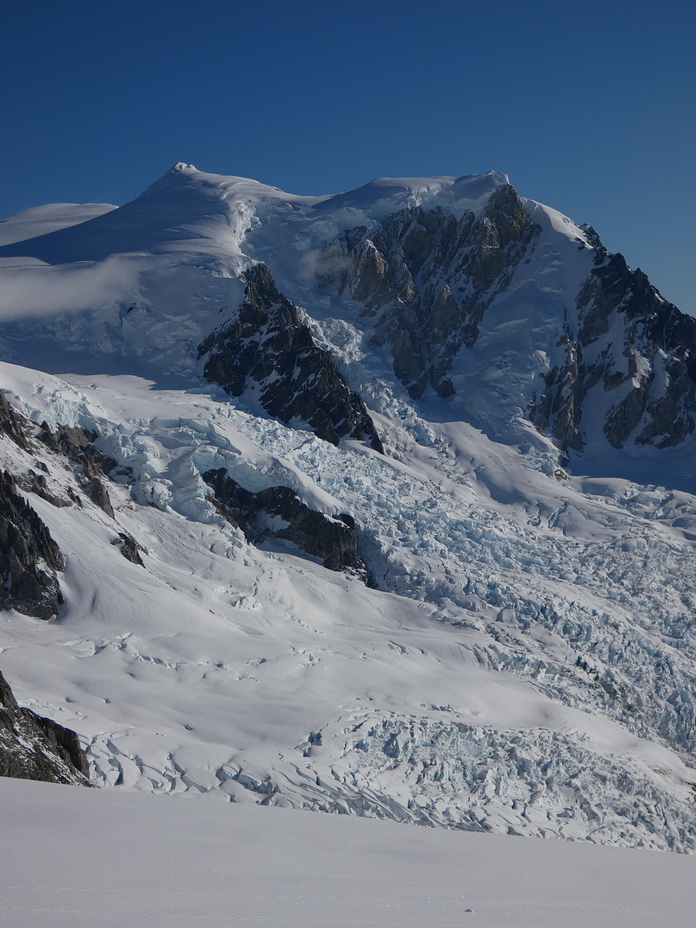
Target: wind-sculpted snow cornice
{"points": [[387, 195]]}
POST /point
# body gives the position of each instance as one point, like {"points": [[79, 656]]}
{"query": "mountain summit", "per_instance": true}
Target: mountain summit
{"points": [[379, 502], [454, 278]]}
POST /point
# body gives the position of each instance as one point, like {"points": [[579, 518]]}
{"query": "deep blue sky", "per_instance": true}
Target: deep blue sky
{"points": [[588, 106]]}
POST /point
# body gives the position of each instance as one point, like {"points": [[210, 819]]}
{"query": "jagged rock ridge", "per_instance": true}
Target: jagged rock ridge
{"points": [[78, 445], [651, 370], [429, 277], [426, 278], [35, 748], [13, 425], [277, 512], [268, 346], [29, 557]]}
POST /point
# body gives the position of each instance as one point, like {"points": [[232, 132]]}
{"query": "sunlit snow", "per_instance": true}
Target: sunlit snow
{"points": [[525, 664], [77, 858]]}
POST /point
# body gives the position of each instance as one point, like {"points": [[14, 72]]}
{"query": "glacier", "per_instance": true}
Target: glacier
{"points": [[522, 661]]}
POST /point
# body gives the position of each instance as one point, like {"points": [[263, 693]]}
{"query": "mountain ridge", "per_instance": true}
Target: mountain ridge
{"points": [[445, 332]]}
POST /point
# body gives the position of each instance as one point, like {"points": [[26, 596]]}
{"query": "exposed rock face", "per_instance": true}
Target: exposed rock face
{"points": [[129, 548], [268, 347], [12, 424], [558, 407], [100, 496], [78, 445], [37, 483], [34, 748], [69, 440], [277, 512], [29, 557], [633, 345], [428, 277]]}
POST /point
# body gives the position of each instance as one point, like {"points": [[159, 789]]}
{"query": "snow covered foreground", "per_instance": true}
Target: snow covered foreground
{"points": [[525, 664], [76, 858]]}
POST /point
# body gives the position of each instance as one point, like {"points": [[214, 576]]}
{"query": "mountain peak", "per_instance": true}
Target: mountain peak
{"points": [[182, 168]]}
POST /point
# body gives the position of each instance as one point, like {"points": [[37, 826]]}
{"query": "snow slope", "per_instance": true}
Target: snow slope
{"points": [[97, 858], [438, 699], [525, 662], [40, 220]]}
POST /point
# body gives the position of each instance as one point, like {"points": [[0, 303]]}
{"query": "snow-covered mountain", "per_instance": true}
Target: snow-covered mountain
{"points": [[378, 503]]}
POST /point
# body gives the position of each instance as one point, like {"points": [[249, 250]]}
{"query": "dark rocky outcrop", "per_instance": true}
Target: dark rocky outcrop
{"points": [[267, 347], [70, 440], [32, 482], [129, 548], [100, 496], [13, 424], [29, 557], [277, 512], [35, 748], [78, 444], [650, 368], [427, 277], [20, 429]]}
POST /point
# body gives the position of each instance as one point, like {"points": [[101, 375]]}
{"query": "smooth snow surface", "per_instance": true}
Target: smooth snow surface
{"points": [[75, 858], [40, 220]]}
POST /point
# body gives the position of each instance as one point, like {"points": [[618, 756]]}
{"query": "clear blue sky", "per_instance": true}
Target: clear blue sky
{"points": [[588, 106]]}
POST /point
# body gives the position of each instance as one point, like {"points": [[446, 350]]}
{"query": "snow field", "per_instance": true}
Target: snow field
{"points": [[114, 859]]}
